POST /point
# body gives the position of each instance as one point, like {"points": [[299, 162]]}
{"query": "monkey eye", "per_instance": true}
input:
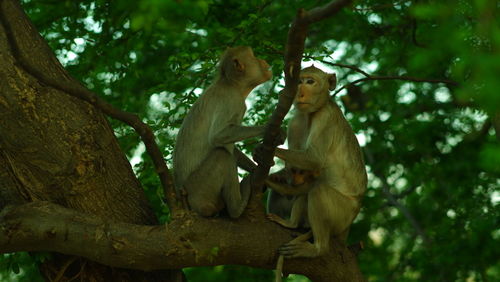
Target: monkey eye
{"points": [[306, 80]]}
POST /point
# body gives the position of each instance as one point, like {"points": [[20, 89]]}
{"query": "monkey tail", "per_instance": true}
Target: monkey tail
{"points": [[279, 269]]}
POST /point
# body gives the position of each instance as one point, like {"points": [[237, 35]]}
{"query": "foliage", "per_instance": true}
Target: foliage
{"points": [[432, 144]]}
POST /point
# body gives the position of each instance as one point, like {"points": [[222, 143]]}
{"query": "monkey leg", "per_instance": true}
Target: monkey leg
{"points": [[204, 185], [302, 237], [342, 210], [235, 194], [279, 220], [297, 214], [330, 213], [279, 205]]}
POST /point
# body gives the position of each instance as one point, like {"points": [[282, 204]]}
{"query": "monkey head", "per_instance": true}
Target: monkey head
{"points": [[301, 176], [238, 65], [314, 89]]}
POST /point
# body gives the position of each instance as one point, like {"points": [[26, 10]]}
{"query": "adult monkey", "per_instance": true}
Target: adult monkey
{"points": [[321, 141], [204, 159]]}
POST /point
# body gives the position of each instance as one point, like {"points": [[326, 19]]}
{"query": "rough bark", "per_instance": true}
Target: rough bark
{"points": [[57, 148], [186, 241]]}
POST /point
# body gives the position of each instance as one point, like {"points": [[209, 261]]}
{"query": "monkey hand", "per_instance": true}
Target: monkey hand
{"points": [[259, 156], [273, 217], [279, 177], [283, 222]]}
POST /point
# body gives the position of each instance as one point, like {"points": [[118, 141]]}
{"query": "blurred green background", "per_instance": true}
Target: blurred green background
{"points": [[425, 115]]}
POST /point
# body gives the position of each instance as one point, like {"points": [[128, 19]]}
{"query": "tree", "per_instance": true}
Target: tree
{"points": [[432, 205]]}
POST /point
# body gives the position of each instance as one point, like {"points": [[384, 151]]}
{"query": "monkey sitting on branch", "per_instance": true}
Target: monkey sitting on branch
{"points": [[320, 141], [280, 206], [205, 164]]}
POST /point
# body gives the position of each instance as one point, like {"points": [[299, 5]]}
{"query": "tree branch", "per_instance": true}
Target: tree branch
{"points": [[293, 58], [495, 120], [186, 241], [369, 77], [10, 11], [354, 68], [405, 78]]}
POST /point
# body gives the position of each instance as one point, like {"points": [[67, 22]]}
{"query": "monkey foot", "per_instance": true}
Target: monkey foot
{"points": [[275, 218], [298, 250]]}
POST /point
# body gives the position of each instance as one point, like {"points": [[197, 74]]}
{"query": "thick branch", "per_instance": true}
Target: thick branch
{"points": [[189, 241], [11, 11], [293, 58], [328, 10]]}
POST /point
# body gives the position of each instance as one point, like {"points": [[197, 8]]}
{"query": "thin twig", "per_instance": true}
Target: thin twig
{"points": [[354, 68], [405, 78], [406, 192], [369, 77]]}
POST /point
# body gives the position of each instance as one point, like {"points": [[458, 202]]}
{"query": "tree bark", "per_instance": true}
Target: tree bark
{"points": [[57, 148], [187, 241]]}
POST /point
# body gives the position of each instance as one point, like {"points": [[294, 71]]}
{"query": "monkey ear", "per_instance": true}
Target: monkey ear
{"points": [[332, 81], [238, 65]]}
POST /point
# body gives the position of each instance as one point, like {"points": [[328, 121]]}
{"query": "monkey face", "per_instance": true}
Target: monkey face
{"points": [[259, 70], [311, 95], [266, 69], [301, 176], [314, 89]]}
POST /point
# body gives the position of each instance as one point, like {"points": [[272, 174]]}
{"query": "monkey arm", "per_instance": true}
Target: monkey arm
{"points": [[288, 190], [317, 139], [302, 159], [233, 133], [243, 161]]}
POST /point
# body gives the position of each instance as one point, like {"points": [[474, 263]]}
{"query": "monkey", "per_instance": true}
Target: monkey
{"points": [[301, 176], [320, 140], [281, 205], [293, 176], [204, 158]]}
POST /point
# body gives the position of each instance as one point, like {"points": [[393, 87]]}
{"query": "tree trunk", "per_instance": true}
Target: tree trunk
{"points": [[57, 148]]}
